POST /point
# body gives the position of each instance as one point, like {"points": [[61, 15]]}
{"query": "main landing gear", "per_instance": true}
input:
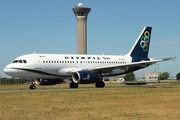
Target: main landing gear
{"points": [[32, 87], [99, 84], [73, 85]]}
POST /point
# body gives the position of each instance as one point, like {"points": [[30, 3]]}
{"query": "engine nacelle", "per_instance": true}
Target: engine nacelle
{"points": [[86, 77], [48, 81]]}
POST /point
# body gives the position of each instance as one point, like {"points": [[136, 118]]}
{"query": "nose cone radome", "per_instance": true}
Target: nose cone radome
{"points": [[10, 71]]}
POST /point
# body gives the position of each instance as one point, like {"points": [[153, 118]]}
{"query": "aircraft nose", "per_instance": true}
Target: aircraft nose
{"points": [[6, 70], [9, 71]]}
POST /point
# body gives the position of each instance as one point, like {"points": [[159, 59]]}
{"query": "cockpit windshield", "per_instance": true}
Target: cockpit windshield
{"points": [[15, 61], [24, 61], [19, 61]]}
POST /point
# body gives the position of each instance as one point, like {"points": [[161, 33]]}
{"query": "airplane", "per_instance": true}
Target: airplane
{"points": [[51, 69]]}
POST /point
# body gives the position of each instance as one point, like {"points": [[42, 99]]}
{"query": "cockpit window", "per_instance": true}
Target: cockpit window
{"points": [[24, 61], [19, 61], [15, 61]]}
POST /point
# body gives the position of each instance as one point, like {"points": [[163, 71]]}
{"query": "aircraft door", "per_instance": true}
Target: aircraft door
{"points": [[37, 60]]}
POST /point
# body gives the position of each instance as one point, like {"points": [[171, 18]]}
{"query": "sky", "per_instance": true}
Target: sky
{"points": [[45, 26]]}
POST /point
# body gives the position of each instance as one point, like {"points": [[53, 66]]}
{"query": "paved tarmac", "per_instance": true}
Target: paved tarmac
{"points": [[41, 89]]}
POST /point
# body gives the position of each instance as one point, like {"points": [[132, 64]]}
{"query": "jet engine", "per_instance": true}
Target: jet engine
{"points": [[48, 81], [86, 77]]}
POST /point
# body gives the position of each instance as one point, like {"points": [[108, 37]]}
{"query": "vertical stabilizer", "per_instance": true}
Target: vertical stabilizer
{"points": [[140, 49]]}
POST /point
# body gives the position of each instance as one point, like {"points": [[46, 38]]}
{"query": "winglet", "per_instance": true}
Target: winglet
{"points": [[174, 59], [169, 58]]}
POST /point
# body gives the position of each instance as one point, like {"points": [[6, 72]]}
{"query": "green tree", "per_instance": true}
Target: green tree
{"points": [[12, 81], [178, 76], [164, 76], [129, 77]]}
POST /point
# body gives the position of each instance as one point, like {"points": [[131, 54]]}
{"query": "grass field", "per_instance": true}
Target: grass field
{"points": [[100, 104]]}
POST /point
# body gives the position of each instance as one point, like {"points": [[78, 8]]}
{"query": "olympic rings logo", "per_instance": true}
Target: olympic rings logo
{"points": [[144, 43]]}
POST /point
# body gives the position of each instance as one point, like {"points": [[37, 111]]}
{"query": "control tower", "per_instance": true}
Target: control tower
{"points": [[81, 14]]}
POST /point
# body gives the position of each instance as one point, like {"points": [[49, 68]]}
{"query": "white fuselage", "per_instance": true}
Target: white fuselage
{"points": [[61, 65]]}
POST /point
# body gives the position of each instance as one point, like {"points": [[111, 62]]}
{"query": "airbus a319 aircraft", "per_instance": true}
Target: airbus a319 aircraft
{"points": [[49, 69]]}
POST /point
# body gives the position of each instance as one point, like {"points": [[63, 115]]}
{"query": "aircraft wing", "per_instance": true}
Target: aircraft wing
{"points": [[106, 69]]}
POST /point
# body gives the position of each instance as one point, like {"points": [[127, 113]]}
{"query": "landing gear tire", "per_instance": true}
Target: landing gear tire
{"points": [[100, 84], [73, 85], [32, 87]]}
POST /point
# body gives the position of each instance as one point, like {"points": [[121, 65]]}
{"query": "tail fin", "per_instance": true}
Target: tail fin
{"points": [[140, 49]]}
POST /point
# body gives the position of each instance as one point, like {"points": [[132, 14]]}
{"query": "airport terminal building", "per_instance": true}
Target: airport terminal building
{"points": [[152, 76]]}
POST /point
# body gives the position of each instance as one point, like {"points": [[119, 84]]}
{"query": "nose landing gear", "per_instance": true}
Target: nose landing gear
{"points": [[32, 87]]}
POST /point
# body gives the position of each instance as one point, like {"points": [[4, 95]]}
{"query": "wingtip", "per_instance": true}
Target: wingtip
{"points": [[173, 59], [169, 58]]}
